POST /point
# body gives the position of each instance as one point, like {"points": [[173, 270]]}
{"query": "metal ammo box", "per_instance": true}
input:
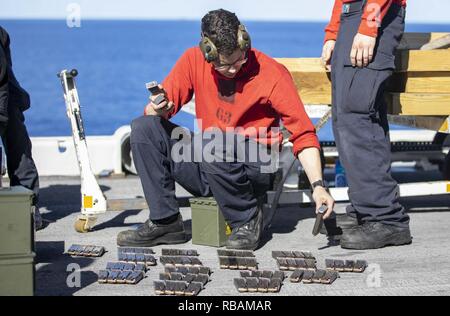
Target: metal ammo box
{"points": [[16, 242], [208, 224]]}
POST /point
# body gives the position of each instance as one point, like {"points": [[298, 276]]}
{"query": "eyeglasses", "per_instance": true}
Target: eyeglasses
{"points": [[225, 67]]}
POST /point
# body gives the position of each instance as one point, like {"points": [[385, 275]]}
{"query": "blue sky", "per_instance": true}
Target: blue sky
{"points": [[421, 11]]}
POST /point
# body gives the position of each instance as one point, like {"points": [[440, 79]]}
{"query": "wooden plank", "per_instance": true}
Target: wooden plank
{"points": [[311, 79], [428, 72], [420, 82], [313, 88], [417, 40], [302, 64], [419, 104], [417, 60], [412, 61]]}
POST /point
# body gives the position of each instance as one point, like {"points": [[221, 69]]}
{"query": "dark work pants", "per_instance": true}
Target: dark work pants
{"points": [[236, 186], [21, 168], [360, 123]]}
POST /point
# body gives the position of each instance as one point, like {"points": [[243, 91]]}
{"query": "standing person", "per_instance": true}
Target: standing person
{"points": [[360, 45], [235, 87], [14, 100]]}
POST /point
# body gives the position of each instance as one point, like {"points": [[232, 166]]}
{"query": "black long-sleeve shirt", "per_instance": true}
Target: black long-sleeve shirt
{"points": [[3, 83], [11, 93]]}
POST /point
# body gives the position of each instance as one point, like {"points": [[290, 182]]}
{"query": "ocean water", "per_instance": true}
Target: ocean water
{"points": [[116, 58]]}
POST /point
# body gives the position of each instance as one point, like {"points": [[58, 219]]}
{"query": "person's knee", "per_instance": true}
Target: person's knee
{"points": [[143, 123], [142, 128]]}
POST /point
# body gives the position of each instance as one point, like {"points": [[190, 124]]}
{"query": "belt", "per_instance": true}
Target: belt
{"points": [[354, 6]]}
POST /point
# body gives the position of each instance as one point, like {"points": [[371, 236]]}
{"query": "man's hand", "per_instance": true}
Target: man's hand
{"points": [[362, 50], [321, 196], [163, 109], [327, 53]]}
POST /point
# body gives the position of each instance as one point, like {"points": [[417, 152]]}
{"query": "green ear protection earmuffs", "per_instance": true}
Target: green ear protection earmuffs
{"points": [[210, 52]]}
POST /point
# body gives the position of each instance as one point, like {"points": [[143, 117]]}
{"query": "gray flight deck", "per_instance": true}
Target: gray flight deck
{"points": [[422, 268]]}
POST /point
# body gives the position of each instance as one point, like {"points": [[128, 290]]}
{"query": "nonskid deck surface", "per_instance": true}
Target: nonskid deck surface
{"points": [[418, 269]]}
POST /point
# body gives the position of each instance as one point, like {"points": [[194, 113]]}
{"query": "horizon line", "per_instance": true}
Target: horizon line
{"points": [[180, 19]]}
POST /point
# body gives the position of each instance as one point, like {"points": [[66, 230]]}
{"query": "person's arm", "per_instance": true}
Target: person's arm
{"points": [[178, 86], [287, 103], [331, 33], [374, 13], [332, 29], [311, 162], [4, 92]]}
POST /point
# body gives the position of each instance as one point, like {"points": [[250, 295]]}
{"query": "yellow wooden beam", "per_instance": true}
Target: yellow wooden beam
{"points": [[311, 79], [424, 76], [411, 61], [302, 64], [428, 72], [419, 104], [314, 88], [420, 82], [417, 60]]}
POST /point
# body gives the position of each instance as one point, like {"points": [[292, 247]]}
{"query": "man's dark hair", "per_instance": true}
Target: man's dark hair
{"points": [[221, 27]]}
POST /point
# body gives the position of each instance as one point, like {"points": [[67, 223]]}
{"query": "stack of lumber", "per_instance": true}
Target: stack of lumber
{"points": [[420, 86]]}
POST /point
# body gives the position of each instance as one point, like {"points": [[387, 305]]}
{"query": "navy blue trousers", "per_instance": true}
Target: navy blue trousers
{"points": [[238, 186], [360, 122], [21, 168]]}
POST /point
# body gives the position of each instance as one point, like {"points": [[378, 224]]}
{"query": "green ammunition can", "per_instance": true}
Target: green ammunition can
{"points": [[17, 275], [16, 223], [208, 224]]}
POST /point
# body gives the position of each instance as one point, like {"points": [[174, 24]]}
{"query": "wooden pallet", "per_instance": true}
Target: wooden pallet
{"points": [[420, 87]]}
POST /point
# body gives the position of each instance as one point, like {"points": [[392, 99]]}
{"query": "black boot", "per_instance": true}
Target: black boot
{"points": [[246, 237], [334, 226], [150, 234], [374, 235]]}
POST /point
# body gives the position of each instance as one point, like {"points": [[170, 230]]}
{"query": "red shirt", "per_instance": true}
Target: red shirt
{"points": [[262, 92], [370, 19]]}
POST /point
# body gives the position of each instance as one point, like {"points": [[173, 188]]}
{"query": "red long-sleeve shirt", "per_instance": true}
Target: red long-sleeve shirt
{"points": [[374, 12], [262, 92]]}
